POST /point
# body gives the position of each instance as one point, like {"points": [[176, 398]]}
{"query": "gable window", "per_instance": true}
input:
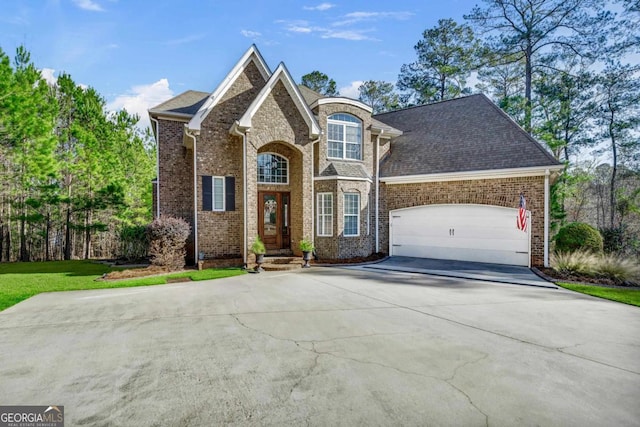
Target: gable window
{"points": [[351, 214], [325, 214], [272, 169], [218, 193], [344, 137]]}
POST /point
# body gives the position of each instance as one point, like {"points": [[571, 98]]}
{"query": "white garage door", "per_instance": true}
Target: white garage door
{"points": [[477, 233]]}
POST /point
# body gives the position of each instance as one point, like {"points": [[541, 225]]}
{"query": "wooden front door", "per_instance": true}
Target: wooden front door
{"points": [[274, 219]]}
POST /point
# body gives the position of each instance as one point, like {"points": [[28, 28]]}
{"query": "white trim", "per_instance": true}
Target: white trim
{"points": [[318, 196], [378, 191], [251, 55], [341, 100], [546, 218], [357, 215], [157, 134], [195, 197], [213, 194], [343, 178], [472, 175], [282, 74], [176, 117], [258, 169]]}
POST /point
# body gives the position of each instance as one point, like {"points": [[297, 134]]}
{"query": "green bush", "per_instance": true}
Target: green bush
{"points": [[578, 236], [167, 240], [133, 242]]}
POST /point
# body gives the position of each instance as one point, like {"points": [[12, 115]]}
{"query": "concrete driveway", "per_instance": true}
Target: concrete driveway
{"points": [[464, 269], [327, 346]]}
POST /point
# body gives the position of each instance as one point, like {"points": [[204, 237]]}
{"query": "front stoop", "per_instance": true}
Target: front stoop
{"points": [[275, 263]]}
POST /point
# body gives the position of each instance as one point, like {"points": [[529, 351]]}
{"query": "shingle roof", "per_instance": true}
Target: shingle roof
{"points": [[458, 135], [309, 95], [188, 102], [388, 129], [346, 169]]}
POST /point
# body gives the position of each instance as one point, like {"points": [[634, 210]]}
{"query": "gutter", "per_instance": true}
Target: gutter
{"points": [[378, 190], [237, 130], [195, 195], [546, 218], [157, 164]]}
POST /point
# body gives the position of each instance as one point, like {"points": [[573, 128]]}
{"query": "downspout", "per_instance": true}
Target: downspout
{"points": [[378, 190], [157, 165], [313, 191], [195, 197], [235, 129], [546, 218]]}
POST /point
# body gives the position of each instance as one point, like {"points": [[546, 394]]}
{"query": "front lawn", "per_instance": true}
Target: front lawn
{"points": [[19, 281], [627, 296]]}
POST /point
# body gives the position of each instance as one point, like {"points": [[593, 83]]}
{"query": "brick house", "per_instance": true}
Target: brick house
{"points": [[262, 156]]}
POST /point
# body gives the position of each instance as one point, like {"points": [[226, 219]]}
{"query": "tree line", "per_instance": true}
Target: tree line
{"points": [[73, 176], [564, 70]]}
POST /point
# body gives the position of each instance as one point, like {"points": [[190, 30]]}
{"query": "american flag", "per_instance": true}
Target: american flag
{"points": [[522, 214]]}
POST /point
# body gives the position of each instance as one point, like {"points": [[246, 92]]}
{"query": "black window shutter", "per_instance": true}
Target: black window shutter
{"points": [[207, 193], [230, 193]]}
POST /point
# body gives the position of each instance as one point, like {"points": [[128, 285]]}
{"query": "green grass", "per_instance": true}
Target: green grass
{"points": [[627, 296], [19, 281]]}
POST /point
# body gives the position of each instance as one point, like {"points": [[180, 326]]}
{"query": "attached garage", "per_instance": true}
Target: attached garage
{"points": [[479, 233]]}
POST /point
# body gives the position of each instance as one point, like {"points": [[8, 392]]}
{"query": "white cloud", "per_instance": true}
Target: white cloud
{"points": [[47, 74], [140, 98], [355, 35], [187, 39], [250, 34], [351, 91], [299, 29], [321, 7], [354, 17], [88, 5]]}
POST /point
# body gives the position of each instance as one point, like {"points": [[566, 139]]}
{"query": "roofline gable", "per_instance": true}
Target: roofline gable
{"points": [[251, 55], [341, 100], [281, 74]]}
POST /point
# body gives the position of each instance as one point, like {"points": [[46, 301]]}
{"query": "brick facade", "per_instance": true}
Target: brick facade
{"points": [[279, 127], [497, 192]]}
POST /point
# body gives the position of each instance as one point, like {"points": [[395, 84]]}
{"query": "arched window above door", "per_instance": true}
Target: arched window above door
{"points": [[272, 169]]}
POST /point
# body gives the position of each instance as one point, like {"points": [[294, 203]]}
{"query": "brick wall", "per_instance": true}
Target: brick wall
{"points": [[498, 192], [279, 127], [176, 176], [325, 110], [221, 234]]}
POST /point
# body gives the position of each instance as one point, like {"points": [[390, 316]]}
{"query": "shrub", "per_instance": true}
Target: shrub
{"points": [[258, 247], [167, 239], [578, 262], [621, 270], [133, 242], [578, 236], [306, 245]]}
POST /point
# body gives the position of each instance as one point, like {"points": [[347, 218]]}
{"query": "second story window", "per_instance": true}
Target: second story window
{"points": [[344, 134]]}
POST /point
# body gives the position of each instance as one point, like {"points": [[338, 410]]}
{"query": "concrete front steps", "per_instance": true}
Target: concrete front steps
{"points": [[281, 263]]}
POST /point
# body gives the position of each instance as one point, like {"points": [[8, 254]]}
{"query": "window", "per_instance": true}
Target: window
{"points": [[218, 193], [272, 169], [344, 136], [325, 214], [351, 214]]}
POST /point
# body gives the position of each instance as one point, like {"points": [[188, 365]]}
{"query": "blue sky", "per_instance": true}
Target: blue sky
{"points": [[140, 53]]}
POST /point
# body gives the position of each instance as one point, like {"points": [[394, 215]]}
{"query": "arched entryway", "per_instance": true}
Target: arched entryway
{"points": [[279, 187]]}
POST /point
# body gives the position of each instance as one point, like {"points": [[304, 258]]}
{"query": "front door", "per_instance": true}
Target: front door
{"points": [[273, 219]]}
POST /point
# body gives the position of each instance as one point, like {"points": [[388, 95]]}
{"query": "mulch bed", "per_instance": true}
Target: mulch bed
{"points": [[558, 276], [356, 260], [134, 273]]}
